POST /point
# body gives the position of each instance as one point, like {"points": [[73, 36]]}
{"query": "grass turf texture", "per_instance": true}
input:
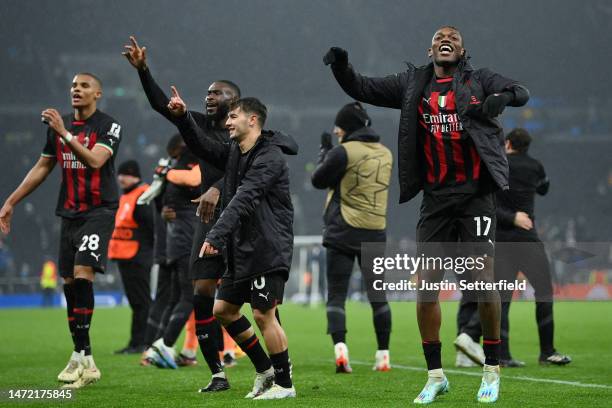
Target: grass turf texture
{"points": [[36, 346]]}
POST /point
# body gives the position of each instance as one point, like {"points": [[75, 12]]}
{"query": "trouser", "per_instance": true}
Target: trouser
{"points": [[530, 259], [339, 270], [157, 319], [136, 283], [181, 300]]}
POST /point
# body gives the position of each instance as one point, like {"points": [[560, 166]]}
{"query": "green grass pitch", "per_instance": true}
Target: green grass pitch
{"points": [[35, 346]]}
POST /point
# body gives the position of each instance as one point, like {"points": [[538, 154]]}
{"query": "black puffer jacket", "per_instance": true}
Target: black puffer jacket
{"points": [[404, 91], [256, 225]]}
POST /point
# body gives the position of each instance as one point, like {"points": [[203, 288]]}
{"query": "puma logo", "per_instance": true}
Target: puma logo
{"points": [[95, 256], [264, 296]]}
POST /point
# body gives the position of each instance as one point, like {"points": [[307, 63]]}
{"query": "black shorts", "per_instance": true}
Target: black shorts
{"points": [[84, 241], [468, 218], [263, 292], [208, 267]]}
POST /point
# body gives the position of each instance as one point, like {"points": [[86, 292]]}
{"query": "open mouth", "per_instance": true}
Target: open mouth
{"points": [[446, 49], [76, 97]]}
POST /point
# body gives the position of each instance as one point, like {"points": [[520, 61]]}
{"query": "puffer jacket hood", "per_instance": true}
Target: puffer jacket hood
{"points": [[286, 143]]}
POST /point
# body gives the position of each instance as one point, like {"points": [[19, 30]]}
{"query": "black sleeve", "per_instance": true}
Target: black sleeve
{"points": [[157, 98], [505, 217], [219, 184], [496, 83], [49, 148], [200, 145], [504, 214], [387, 91], [543, 183], [331, 169], [110, 136], [192, 138], [257, 181], [143, 214]]}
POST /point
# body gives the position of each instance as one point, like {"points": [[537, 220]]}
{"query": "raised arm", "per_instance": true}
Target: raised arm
{"points": [[137, 56], [387, 91], [31, 181], [331, 167], [202, 146]]}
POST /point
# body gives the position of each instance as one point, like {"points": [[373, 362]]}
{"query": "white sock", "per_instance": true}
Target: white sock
{"points": [[490, 369], [436, 374], [76, 355], [220, 374], [159, 342]]}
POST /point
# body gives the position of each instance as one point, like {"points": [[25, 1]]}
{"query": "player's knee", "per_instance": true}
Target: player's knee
{"points": [[223, 314], [84, 272], [263, 319]]}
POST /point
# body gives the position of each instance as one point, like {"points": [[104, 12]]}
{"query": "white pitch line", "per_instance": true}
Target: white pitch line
{"points": [[513, 377]]}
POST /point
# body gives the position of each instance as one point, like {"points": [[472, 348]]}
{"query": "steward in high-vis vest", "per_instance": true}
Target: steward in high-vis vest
{"points": [[357, 173], [131, 246], [48, 282]]}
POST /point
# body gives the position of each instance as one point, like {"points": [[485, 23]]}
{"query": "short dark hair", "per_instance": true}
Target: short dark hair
{"points": [[519, 139], [453, 28], [253, 106], [175, 142], [89, 74], [232, 85]]}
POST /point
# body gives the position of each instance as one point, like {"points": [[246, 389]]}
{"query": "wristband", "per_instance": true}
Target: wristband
{"points": [[68, 137]]}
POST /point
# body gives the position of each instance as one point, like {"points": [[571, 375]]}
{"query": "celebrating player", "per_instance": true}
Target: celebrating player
{"points": [[450, 146], [256, 231], [88, 199], [204, 272]]}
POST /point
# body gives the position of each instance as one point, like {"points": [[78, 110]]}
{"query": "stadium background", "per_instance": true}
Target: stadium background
{"points": [[273, 50]]}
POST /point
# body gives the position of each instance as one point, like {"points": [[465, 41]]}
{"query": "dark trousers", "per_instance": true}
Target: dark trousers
{"points": [[158, 319], [136, 283], [47, 297], [180, 305], [339, 270], [510, 258]]}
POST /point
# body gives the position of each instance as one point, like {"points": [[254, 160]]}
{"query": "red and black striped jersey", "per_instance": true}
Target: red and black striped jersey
{"points": [[451, 159], [84, 189]]}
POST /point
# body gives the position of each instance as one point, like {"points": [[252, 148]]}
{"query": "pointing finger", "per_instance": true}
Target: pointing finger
{"points": [[134, 42]]}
